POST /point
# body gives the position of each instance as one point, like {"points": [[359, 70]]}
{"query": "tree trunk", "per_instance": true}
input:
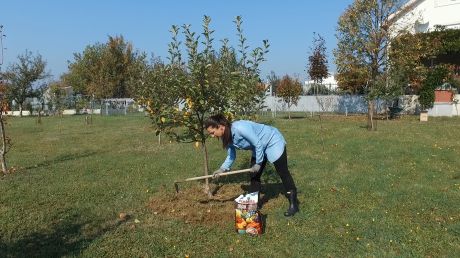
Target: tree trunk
{"points": [[387, 109], [321, 131], [20, 110], [3, 150], [39, 118], [206, 168], [91, 115], [289, 111], [60, 123], [370, 115]]}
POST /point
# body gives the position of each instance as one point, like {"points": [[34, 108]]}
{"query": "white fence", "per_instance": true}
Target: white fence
{"points": [[341, 104], [64, 112], [346, 104]]}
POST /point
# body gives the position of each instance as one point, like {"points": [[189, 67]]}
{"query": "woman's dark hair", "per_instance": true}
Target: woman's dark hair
{"points": [[214, 122]]}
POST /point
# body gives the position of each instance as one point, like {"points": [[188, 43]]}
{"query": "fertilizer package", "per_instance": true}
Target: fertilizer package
{"points": [[247, 217]]}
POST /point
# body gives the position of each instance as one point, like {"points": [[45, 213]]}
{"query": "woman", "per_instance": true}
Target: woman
{"points": [[266, 143]]}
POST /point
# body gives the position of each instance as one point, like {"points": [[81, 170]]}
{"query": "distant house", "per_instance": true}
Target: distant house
{"points": [[330, 83], [424, 15], [421, 16], [48, 95]]}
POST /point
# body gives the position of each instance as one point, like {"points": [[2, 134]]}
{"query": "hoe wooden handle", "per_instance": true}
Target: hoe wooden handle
{"points": [[222, 174]]}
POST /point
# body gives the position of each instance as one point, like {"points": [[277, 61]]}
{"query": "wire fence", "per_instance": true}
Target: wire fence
{"points": [[79, 104]]}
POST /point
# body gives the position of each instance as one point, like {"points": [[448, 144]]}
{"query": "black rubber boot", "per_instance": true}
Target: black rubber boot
{"points": [[293, 203]]}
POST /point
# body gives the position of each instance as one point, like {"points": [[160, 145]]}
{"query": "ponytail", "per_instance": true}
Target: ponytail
{"points": [[214, 122]]}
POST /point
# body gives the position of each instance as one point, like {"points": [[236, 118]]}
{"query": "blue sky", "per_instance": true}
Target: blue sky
{"points": [[58, 28]]}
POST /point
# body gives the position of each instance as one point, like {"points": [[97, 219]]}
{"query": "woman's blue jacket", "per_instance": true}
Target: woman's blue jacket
{"points": [[262, 139]]}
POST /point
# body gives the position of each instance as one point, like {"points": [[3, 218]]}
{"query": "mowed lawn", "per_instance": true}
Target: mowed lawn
{"points": [[393, 192]]}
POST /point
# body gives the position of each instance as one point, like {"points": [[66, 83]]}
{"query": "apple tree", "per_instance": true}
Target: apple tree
{"points": [[200, 80]]}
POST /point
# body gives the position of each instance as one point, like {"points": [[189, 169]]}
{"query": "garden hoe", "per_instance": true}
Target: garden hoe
{"points": [[176, 185]]}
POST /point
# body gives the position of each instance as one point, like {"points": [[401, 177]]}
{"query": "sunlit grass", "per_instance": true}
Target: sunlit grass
{"points": [[393, 192]]}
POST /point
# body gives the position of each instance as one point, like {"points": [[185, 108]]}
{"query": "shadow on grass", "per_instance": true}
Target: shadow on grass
{"points": [[293, 117], [269, 191], [271, 183], [65, 238], [62, 158]]}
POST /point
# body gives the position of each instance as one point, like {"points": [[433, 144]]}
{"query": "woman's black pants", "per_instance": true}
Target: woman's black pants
{"points": [[282, 170]]}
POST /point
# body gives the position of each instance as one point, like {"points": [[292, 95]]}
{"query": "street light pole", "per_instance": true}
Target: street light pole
{"points": [[1, 46]]}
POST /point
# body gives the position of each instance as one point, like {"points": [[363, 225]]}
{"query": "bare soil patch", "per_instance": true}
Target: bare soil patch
{"points": [[192, 204]]}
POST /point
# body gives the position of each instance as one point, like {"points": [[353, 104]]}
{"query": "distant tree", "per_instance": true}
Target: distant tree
{"points": [[411, 55], [139, 71], [39, 93], [182, 93], [353, 78], [274, 82], [289, 91], [363, 34], [421, 61], [390, 86], [435, 77], [405, 57], [317, 89], [317, 61], [84, 71], [103, 70], [57, 96], [20, 77]]}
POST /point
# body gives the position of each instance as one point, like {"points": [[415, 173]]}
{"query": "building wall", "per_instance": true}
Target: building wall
{"points": [[425, 15], [330, 83]]}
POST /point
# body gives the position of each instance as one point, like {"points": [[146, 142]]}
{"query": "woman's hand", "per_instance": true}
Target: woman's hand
{"points": [[255, 168], [216, 174]]}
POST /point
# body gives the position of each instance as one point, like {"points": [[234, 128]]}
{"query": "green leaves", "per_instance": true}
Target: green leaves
{"points": [[317, 61], [105, 70], [182, 94], [434, 78], [410, 53], [289, 90], [363, 39], [21, 76]]}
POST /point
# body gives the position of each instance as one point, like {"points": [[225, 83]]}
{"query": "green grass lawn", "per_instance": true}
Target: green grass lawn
{"points": [[393, 192]]}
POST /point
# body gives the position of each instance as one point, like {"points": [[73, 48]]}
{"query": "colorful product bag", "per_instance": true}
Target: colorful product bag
{"points": [[247, 217]]}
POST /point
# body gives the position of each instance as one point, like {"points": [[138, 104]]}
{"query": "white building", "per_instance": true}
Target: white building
{"points": [[419, 16], [425, 15], [330, 83]]}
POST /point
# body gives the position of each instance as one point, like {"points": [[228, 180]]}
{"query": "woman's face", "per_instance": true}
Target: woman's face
{"points": [[216, 131]]}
